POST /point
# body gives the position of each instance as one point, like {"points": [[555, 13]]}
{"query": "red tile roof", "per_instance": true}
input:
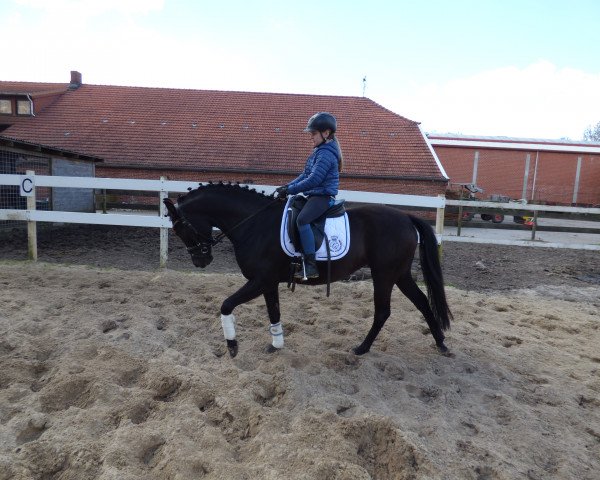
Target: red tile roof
{"points": [[31, 88], [44, 149], [200, 128]]}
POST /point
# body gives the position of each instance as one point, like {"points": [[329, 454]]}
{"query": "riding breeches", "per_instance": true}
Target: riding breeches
{"points": [[315, 206]]}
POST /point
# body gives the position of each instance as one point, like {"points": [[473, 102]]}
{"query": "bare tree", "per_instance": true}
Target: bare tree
{"points": [[592, 133]]}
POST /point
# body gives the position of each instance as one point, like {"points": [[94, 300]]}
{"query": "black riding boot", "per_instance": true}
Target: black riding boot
{"points": [[310, 264]]}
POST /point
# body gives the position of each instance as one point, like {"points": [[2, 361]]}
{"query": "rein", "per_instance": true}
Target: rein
{"points": [[222, 235]]}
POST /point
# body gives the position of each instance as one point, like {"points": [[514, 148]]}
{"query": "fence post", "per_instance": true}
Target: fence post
{"points": [[32, 252], [534, 225], [460, 214], [439, 225], [164, 232]]}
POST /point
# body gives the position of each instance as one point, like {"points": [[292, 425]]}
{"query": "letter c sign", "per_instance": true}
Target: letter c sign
{"points": [[27, 186]]}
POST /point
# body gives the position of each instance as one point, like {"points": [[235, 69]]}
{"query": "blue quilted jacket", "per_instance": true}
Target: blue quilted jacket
{"points": [[321, 175]]}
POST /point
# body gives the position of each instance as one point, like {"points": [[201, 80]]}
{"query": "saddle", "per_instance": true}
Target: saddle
{"points": [[294, 207]]}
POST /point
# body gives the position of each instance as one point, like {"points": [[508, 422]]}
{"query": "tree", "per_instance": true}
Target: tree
{"points": [[592, 133]]}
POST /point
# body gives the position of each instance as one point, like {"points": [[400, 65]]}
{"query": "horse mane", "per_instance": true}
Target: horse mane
{"points": [[231, 186]]}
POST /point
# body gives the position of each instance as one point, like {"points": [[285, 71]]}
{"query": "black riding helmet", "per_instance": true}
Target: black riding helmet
{"points": [[320, 122]]}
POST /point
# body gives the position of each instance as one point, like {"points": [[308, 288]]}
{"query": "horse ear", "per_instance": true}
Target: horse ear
{"points": [[170, 208]]}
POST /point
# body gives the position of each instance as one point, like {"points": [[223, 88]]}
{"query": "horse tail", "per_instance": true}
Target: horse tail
{"points": [[432, 272]]}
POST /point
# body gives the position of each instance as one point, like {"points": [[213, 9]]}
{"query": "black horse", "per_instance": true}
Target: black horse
{"points": [[381, 237]]}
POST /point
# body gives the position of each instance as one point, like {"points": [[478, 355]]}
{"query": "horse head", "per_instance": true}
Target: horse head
{"points": [[195, 233]]}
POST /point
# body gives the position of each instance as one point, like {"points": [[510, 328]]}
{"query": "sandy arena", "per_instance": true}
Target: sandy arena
{"points": [[113, 369]]}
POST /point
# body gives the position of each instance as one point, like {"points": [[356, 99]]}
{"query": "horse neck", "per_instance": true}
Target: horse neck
{"points": [[234, 214]]}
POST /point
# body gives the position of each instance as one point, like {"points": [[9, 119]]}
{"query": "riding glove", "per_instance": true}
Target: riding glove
{"points": [[282, 191]]}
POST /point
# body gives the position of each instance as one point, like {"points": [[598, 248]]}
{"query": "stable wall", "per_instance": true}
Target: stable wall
{"points": [[548, 177], [400, 186], [72, 199]]}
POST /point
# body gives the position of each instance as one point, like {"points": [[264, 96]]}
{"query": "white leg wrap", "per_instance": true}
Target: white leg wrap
{"points": [[228, 322], [276, 331]]}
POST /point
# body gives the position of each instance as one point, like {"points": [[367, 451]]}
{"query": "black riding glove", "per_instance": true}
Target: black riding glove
{"points": [[282, 191]]}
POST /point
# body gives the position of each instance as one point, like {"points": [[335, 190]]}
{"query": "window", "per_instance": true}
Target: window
{"points": [[23, 107], [5, 107]]}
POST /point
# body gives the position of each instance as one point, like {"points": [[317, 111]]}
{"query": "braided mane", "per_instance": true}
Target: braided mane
{"points": [[225, 186]]}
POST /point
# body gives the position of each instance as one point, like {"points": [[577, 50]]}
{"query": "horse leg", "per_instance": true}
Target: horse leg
{"points": [[382, 297], [248, 292], [409, 288], [276, 330]]}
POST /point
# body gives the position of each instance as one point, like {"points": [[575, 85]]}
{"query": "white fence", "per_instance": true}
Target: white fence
{"points": [[163, 187], [593, 213], [523, 207]]}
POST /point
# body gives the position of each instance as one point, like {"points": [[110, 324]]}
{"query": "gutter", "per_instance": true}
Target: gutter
{"points": [[31, 105], [525, 146], [432, 151]]}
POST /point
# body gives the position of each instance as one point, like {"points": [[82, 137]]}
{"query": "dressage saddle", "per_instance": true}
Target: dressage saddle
{"points": [[318, 226]]}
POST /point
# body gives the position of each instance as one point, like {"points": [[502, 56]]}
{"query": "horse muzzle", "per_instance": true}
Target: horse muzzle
{"points": [[202, 261], [201, 254]]}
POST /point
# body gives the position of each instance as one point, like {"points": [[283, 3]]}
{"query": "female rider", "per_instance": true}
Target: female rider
{"points": [[319, 182]]}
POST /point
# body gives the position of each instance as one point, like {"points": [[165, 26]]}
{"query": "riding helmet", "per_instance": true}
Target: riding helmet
{"points": [[320, 122]]}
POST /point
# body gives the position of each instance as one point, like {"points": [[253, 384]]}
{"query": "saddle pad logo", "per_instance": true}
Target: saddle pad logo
{"points": [[335, 244]]}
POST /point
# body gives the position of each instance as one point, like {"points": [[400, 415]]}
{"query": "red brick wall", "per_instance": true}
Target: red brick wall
{"points": [[589, 184], [368, 185], [502, 172]]}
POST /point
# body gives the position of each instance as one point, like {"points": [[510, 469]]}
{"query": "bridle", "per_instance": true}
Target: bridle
{"points": [[203, 244]]}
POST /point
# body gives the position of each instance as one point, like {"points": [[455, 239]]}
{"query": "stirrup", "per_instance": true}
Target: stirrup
{"points": [[302, 274]]}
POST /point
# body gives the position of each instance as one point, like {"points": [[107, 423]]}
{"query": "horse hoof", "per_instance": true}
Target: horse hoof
{"points": [[360, 350], [271, 349], [232, 346], [443, 349]]}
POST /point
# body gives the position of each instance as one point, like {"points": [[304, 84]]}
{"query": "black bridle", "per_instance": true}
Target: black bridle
{"points": [[203, 244]]}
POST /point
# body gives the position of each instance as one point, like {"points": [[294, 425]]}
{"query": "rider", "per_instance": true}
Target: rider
{"points": [[319, 182]]}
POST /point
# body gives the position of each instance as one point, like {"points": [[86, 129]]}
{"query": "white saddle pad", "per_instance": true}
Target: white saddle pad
{"points": [[337, 231]]}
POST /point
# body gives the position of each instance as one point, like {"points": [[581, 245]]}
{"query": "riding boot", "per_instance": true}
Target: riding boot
{"points": [[310, 267]]}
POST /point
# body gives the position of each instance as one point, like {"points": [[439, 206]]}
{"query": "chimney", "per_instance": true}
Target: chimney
{"points": [[75, 80]]}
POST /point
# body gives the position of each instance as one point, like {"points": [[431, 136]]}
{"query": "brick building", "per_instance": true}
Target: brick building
{"points": [[216, 135], [18, 157], [542, 171]]}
